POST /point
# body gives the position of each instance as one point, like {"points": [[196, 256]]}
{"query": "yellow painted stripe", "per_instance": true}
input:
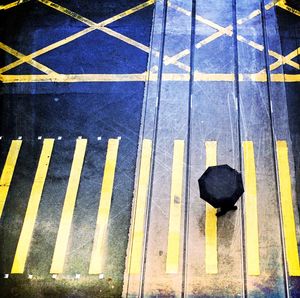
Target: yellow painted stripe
{"points": [[287, 209], [8, 6], [97, 258], [126, 13], [93, 24], [176, 57], [269, 5], [74, 37], [211, 245], [68, 208], [283, 5], [284, 59], [135, 257], [12, 4], [125, 39], [202, 20], [172, 263], [222, 31], [73, 78], [8, 171], [142, 77], [252, 15], [32, 62], [68, 12], [32, 208], [252, 241]]}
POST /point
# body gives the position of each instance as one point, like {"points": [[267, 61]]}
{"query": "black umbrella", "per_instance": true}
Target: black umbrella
{"points": [[221, 186]]}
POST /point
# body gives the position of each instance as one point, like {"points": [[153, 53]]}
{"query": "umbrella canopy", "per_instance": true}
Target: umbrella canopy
{"points": [[221, 186]]}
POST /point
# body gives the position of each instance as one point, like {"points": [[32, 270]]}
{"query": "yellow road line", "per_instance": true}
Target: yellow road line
{"points": [[283, 5], [173, 60], [8, 170], [125, 39], [135, 256], [44, 50], [172, 262], [68, 12], [208, 39], [201, 19], [181, 65], [68, 208], [250, 43], [33, 63], [97, 258], [126, 13], [32, 208], [13, 4], [8, 6], [145, 76], [96, 26], [73, 37], [252, 241], [211, 243], [223, 31], [269, 5], [73, 78], [289, 228], [285, 59], [176, 57], [252, 15]]}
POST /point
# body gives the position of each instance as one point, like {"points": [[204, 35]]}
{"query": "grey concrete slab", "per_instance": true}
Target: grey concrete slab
{"points": [[226, 112], [172, 124]]}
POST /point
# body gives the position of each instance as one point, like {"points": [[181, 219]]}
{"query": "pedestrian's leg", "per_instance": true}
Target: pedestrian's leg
{"points": [[223, 211]]}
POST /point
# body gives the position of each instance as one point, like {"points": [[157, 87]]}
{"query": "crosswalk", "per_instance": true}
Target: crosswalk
{"points": [[136, 245], [253, 243]]}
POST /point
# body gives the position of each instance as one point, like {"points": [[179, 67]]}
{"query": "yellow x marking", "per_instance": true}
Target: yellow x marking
{"points": [[287, 60], [93, 26], [32, 62], [226, 31], [51, 76], [96, 26]]}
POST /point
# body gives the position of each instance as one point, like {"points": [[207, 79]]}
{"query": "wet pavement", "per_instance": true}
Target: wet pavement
{"points": [[106, 127]]}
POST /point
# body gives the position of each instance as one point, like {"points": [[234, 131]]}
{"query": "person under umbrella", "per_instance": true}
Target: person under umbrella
{"points": [[221, 186]]}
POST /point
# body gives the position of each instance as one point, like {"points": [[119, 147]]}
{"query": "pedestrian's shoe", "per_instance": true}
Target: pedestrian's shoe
{"points": [[223, 211]]}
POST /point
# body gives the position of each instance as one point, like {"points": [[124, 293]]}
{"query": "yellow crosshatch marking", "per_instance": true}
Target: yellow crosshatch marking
{"points": [[135, 256], [287, 60], [96, 26], [33, 63], [97, 258], [287, 208], [227, 31], [252, 244], [74, 36], [8, 171], [68, 208], [211, 248], [172, 262], [52, 76], [32, 208]]}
